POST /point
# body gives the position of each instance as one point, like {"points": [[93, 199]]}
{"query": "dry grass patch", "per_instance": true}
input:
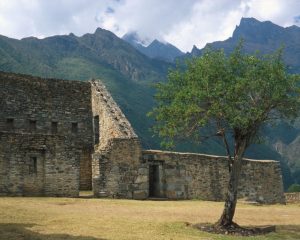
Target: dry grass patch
{"points": [[96, 219]]}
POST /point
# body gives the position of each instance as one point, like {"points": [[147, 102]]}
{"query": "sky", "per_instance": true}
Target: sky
{"points": [[183, 23]]}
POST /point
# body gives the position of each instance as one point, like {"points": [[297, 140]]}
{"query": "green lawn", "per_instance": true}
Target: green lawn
{"points": [[96, 219]]}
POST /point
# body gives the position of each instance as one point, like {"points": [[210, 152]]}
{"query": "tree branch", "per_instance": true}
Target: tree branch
{"points": [[222, 134]]}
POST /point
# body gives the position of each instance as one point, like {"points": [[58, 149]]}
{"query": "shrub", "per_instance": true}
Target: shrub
{"points": [[294, 188]]}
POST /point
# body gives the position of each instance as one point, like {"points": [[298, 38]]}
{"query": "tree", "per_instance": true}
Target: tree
{"points": [[294, 188], [233, 96]]}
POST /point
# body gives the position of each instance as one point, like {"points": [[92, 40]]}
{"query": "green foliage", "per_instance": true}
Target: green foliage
{"points": [[232, 95], [294, 188]]}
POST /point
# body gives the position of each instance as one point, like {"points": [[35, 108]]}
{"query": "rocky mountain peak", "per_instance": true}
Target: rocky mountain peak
{"points": [[254, 30]]}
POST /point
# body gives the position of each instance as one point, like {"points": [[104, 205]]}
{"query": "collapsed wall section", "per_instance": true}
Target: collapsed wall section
{"points": [[189, 176]]}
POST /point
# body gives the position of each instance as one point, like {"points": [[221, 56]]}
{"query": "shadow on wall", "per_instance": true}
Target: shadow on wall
{"points": [[9, 231]]}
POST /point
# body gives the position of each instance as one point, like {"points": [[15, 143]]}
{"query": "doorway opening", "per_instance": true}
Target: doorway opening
{"points": [[154, 181], [85, 177]]}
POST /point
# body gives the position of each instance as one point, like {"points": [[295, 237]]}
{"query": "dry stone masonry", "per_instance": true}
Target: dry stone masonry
{"points": [[199, 176], [59, 137]]}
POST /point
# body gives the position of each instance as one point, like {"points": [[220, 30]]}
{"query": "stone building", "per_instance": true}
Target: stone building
{"points": [[59, 137]]}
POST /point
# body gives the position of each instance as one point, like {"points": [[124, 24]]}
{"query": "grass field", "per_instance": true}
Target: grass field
{"points": [[98, 219]]}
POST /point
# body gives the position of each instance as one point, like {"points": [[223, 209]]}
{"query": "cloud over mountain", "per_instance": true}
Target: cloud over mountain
{"points": [[182, 23]]}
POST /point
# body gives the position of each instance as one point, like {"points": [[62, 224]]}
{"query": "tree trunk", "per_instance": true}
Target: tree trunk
{"points": [[231, 195]]}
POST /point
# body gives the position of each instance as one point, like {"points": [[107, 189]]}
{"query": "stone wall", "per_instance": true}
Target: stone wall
{"points": [[52, 175], [43, 110], [188, 176], [292, 197], [26, 99], [261, 181], [118, 175], [116, 160], [112, 122]]}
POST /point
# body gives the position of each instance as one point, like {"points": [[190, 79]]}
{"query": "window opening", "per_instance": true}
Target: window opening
{"points": [[32, 125], [54, 127], [10, 123], [75, 127], [33, 165], [96, 129]]}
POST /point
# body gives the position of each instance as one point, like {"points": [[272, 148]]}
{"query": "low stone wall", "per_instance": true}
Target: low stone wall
{"points": [[292, 197], [188, 176]]}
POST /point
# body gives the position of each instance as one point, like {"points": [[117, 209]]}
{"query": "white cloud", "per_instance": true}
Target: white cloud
{"points": [[182, 23], [209, 21], [281, 12]]}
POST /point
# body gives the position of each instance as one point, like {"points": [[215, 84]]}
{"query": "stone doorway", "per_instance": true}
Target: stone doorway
{"points": [[85, 177], [155, 188]]}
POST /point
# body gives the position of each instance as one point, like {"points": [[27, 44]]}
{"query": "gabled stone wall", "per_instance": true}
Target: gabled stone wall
{"points": [[117, 156], [112, 122]]}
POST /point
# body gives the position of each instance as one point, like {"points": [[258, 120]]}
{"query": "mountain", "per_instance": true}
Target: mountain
{"points": [[265, 37], [156, 49], [101, 50], [134, 40]]}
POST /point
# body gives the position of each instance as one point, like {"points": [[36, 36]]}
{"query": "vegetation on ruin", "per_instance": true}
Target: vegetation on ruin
{"points": [[233, 96], [95, 219], [294, 188]]}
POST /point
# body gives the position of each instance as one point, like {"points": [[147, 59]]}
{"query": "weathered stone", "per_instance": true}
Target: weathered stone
{"points": [[292, 197], [141, 179], [206, 177], [143, 171], [140, 195]]}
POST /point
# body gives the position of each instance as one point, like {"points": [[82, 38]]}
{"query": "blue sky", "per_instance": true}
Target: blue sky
{"points": [[183, 23]]}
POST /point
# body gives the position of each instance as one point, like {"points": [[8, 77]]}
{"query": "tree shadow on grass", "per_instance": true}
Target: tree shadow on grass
{"points": [[282, 232], [15, 231], [287, 232]]}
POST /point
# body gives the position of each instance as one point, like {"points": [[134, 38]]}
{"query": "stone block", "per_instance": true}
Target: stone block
{"points": [[141, 179], [143, 186], [140, 195], [171, 194], [143, 171]]}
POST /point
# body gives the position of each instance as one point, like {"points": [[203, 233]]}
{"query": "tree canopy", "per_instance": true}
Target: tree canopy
{"points": [[233, 93]]}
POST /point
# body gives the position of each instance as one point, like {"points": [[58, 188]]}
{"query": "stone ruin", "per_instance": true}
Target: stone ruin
{"points": [[60, 137]]}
